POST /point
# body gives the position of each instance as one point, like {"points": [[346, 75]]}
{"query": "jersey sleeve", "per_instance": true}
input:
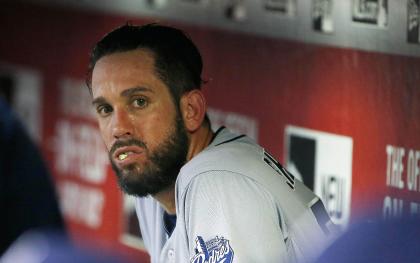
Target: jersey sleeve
{"points": [[232, 218]]}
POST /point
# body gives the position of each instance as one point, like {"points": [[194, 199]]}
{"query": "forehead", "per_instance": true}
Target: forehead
{"points": [[127, 69]]}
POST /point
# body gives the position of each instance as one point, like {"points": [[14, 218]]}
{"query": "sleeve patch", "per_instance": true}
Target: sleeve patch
{"points": [[216, 250]]}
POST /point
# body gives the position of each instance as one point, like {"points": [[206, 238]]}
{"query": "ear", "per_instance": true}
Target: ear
{"points": [[193, 109]]}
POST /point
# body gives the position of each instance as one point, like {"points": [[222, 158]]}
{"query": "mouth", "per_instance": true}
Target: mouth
{"points": [[122, 156], [127, 154]]}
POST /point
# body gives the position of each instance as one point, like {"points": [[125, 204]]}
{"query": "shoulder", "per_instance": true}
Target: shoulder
{"points": [[240, 156], [226, 192], [222, 182], [224, 195]]}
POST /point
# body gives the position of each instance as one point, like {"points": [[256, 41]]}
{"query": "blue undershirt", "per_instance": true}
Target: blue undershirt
{"points": [[169, 222]]}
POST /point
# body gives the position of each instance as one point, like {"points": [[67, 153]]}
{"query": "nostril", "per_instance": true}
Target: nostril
{"points": [[121, 134]]}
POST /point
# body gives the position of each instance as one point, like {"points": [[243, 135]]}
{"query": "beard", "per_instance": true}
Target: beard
{"points": [[160, 170]]}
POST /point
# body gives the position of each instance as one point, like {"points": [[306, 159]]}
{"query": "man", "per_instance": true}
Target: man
{"points": [[27, 196], [202, 196]]}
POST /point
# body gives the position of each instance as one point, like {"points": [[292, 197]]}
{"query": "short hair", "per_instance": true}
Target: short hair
{"points": [[178, 62]]}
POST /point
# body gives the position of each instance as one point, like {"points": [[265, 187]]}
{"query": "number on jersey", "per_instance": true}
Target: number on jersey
{"points": [[290, 179]]}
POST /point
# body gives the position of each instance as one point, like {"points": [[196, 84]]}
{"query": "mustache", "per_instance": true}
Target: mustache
{"points": [[124, 143]]}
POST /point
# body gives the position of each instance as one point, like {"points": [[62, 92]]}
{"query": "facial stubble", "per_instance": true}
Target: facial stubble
{"points": [[161, 168]]}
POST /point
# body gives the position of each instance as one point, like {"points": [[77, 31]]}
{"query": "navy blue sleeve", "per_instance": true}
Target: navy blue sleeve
{"points": [[27, 196]]}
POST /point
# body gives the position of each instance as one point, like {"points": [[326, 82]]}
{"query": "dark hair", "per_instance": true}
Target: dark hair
{"points": [[177, 60]]}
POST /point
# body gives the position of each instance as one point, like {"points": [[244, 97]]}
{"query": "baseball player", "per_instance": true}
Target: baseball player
{"points": [[202, 196]]}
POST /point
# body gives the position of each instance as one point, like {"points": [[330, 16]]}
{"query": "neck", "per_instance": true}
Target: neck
{"points": [[199, 140], [166, 199]]}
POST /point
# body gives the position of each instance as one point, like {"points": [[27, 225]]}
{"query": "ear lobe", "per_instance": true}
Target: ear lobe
{"points": [[193, 109]]}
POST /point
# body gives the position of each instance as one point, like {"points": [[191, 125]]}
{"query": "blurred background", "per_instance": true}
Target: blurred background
{"points": [[329, 87]]}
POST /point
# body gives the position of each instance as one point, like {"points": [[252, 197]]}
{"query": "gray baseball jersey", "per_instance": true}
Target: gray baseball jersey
{"points": [[235, 203]]}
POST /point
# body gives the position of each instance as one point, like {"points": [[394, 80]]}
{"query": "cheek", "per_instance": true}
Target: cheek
{"points": [[105, 133], [159, 127]]}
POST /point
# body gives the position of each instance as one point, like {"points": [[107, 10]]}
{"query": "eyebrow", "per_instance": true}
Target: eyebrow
{"points": [[124, 93], [131, 91], [98, 100]]}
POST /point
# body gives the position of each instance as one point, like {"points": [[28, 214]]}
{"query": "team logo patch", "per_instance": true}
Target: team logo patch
{"points": [[216, 250]]}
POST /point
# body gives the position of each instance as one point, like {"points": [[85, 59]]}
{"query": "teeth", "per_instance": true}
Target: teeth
{"points": [[122, 156]]}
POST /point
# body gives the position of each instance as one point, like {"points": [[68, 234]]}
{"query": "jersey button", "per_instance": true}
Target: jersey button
{"points": [[171, 255]]}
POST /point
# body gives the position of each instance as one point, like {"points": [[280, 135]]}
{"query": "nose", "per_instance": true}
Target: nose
{"points": [[122, 126]]}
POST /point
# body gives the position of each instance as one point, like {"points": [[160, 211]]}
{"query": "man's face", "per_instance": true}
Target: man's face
{"points": [[139, 122]]}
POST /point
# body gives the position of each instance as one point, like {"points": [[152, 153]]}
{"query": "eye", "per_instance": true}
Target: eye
{"points": [[104, 110], [140, 102]]}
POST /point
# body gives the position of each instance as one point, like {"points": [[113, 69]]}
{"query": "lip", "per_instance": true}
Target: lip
{"points": [[133, 152]]}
